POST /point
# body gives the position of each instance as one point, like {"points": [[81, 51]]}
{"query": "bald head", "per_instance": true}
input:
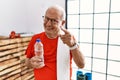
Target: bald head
{"points": [[57, 10]]}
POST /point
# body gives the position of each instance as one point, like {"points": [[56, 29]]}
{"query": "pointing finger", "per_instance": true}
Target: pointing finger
{"points": [[65, 30]]}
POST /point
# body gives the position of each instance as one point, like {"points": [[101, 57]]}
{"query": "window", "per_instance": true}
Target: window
{"points": [[96, 26]]}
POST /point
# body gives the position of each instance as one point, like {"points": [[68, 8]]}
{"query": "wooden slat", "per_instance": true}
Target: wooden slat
{"points": [[8, 57], [29, 77], [10, 75], [19, 78], [3, 37], [14, 77], [9, 65], [16, 40], [26, 75], [8, 61], [32, 78], [12, 51], [9, 70], [11, 46], [11, 56], [26, 70], [19, 53]]}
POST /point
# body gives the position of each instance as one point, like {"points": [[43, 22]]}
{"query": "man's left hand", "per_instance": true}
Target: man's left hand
{"points": [[67, 38]]}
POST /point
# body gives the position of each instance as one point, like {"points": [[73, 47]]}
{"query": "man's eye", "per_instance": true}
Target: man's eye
{"points": [[47, 18], [55, 20]]}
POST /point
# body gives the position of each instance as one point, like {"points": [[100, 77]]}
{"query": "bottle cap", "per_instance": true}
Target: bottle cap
{"points": [[38, 40]]}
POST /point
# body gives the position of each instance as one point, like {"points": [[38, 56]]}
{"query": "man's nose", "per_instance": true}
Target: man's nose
{"points": [[49, 22]]}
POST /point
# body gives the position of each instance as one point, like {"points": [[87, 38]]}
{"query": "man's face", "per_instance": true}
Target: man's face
{"points": [[52, 22]]}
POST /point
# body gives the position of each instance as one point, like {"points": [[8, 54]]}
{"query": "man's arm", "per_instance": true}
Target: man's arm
{"points": [[78, 57], [69, 40]]}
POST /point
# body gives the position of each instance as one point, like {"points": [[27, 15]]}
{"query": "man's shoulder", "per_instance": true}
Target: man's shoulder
{"points": [[38, 35]]}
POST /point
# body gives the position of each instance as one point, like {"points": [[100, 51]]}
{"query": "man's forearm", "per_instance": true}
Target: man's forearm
{"points": [[78, 57]]}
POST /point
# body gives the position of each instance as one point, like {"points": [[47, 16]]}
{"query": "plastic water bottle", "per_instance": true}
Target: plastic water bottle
{"points": [[38, 48]]}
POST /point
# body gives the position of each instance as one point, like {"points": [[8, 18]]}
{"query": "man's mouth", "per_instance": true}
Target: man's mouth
{"points": [[50, 28]]}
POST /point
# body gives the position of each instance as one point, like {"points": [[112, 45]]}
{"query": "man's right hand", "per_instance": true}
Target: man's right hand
{"points": [[36, 62]]}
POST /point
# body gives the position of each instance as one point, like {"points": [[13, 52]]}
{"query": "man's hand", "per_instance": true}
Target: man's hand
{"points": [[67, 38], [36, 62]]}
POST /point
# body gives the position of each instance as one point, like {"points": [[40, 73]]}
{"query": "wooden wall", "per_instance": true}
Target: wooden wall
{"points": [[12, 59]]}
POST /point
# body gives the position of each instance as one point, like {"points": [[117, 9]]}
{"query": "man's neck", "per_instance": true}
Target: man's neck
{"points": [[51, 36]]}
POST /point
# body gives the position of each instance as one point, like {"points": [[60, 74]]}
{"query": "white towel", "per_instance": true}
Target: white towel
{"points": [[63, 61]]}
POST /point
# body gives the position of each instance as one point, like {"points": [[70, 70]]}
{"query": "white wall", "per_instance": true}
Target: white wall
{"points": [[12, 16], [36, 9], [23, 15]]}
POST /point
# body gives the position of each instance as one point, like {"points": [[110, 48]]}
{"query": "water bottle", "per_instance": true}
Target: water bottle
{"points": [[38, 48]]}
